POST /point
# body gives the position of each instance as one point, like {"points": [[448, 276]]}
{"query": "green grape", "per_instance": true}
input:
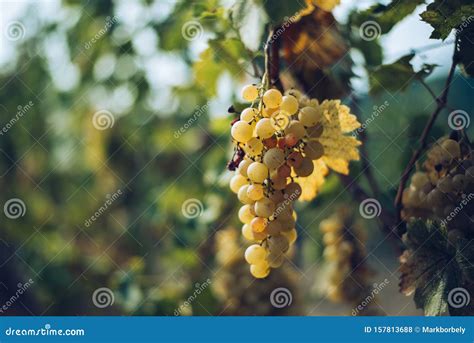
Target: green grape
{"points": [[236, 182], [313, 150], [315, 131], [309, 116], [241, 131], [296, 128], [257, 172], [243, 166], [275, 260], [242, 195], [247, 232], [435, 198], [279, 183], [459, 182], [245, 214], [253, 147], [273, 227], [249, 93], [255, 254], [264, 128], [248, 114], [264, 208], [445, 184], [419, 179], [277, 196], [306, 168], [274, 158], [291, 235], [289, 104], [260, 270], [293, 191], [255, 192], [272, 98], [258, 224], [452, 148], [278, 243]]}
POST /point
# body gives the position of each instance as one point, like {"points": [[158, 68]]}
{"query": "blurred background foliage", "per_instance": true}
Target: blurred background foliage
{"points": [[154, 81]]}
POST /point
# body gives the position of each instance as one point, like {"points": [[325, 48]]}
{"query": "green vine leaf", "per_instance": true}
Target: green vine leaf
{"points": [[444, 16], [392, 77], [249, 18]]}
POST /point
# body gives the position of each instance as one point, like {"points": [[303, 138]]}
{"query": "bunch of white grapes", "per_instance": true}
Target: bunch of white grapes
{"points": [[444, 186], [277, 134]]}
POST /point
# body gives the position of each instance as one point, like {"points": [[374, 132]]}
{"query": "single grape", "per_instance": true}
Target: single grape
{"points": [[248, 114], [274, 158], [306, 168], [243, 166], [257, 172], [253, 147], [279, 183], [290, 140], [272, 98], [278, 243], [260, 270], [277, 196], [275, 260], [242, 195], [284, 171], [459, 182], [293, 191], [309, 116], [273, 227], [236, 182], [245, 214], [315, 131], [255, 254], [249, 93], [258, 224], [255, 192], [270, 142], [241, 131], [264, 208], [452, 148], [296, 128], [445, 184], [419, 179], [264, 128], [289, 104], [313, 150], [295, 159], [294, 92], [291, 235], [247, 232]]}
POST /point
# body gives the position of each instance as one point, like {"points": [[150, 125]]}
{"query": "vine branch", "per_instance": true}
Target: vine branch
{"points": [[441, 102], [272, 60]]}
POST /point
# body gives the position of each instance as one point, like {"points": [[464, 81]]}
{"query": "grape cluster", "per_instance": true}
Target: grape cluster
{"points": [[239, 293], [277, 137], [444, 187], [349, 274]]}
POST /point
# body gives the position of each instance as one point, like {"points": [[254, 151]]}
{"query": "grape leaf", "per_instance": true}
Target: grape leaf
{"points": [[392, 77], [249, 18], [386, 16], [280, 11], [444, 16], [465, 51], [431, 295]]}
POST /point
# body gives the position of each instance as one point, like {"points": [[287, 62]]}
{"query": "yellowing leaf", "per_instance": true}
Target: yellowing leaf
{"points": [[312, 184]]}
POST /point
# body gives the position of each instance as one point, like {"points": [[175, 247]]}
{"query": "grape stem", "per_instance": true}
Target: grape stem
{"points": [[441, 102], [271, 76]]}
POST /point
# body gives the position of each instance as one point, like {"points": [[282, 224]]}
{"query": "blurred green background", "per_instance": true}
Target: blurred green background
{"points": [[119, 112]]}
